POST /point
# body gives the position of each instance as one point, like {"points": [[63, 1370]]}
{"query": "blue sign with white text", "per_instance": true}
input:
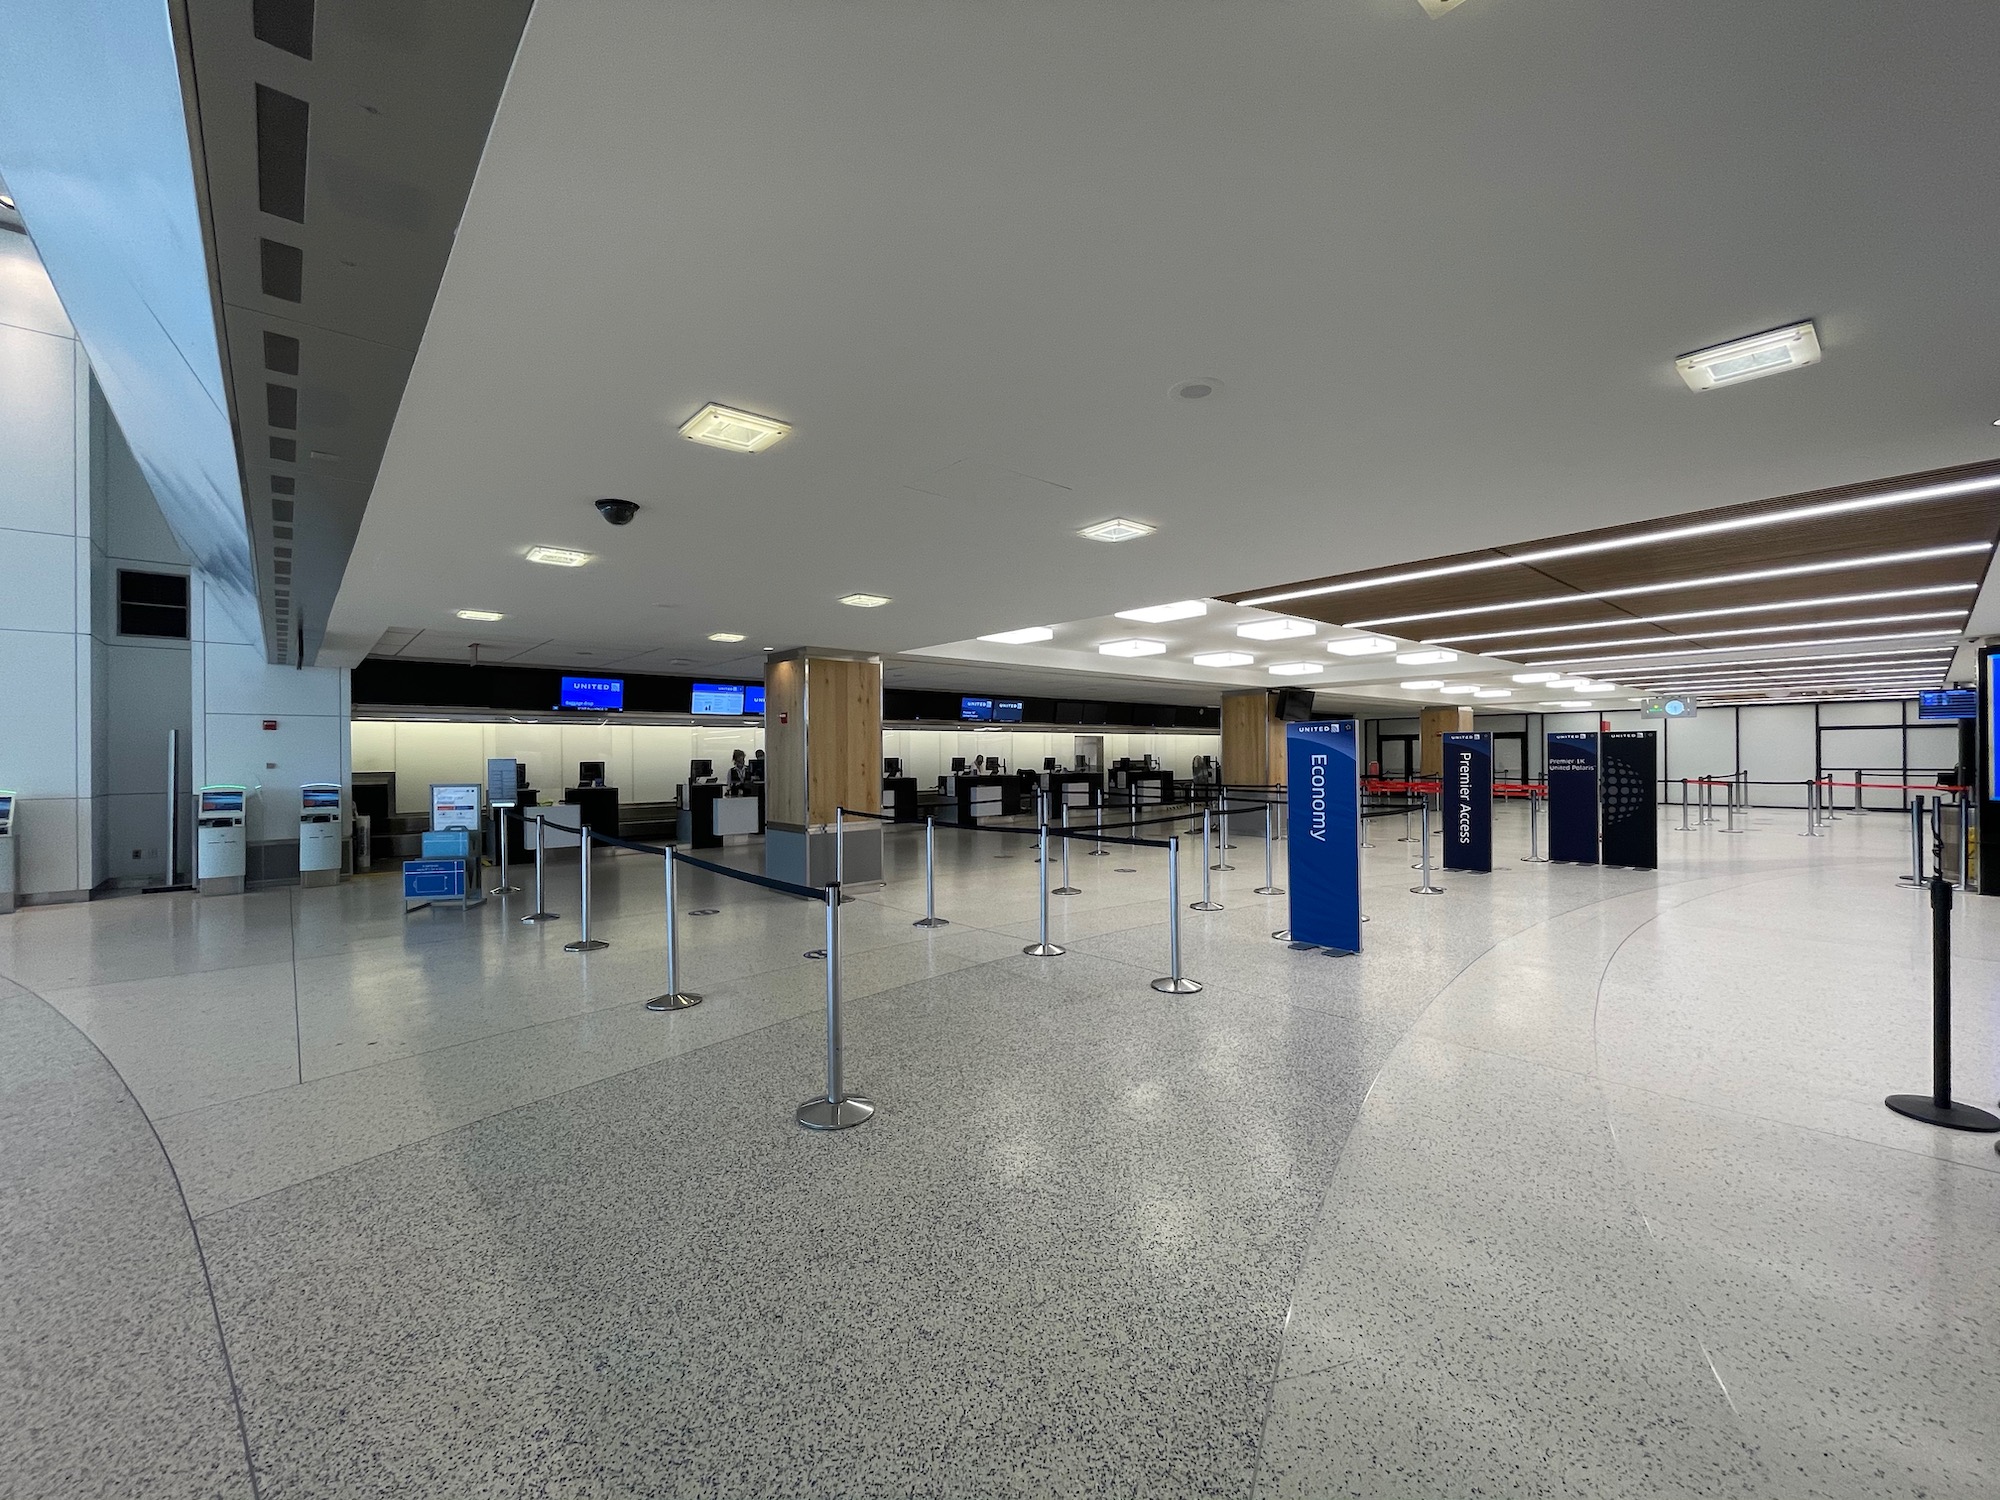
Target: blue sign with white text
{"points": [[1323, 775], [1466, 798], [1572, 763]]}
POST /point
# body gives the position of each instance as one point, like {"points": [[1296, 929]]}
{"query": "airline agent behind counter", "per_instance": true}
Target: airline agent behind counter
{"points": [[739, 775]]}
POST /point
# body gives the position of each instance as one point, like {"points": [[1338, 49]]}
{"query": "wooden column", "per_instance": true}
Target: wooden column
{"points": [[823, 750], [1253, 739], [1433, 725]]}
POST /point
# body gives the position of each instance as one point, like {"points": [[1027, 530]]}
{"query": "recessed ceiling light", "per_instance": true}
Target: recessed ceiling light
{"points": [[1132, 648], [1862, 622], [1487, 692], [1424, 658], [1536, 676], [1026, 635], [1275, 630], [1462, 689], [1117, 529], [1360, 645], [1754, 575], [725, 635], [558, 557], [734, 431], [1683, 651], [1295, 668], [1223, 658], [865, 601], [1750, 358], [1428, 685], [1568, 703], [1160, 614], [478, 614], [1198, 389], [1774, 606]]}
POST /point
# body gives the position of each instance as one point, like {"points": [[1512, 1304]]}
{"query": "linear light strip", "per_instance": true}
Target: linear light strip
{"points": [[1824, 602], [1947, 490], [1772, 674], [1839, 640], [1632, 591], [1826, 657], [1523, 652]]}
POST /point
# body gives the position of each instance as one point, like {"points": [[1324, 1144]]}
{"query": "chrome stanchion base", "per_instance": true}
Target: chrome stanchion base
{"points": [[1172, 986], [815, 953], [1097, 854], [932, 922], [505, 890], [1953, 1116], [678, 1001], [1426, 890], [1267, 890], [1534, 859], [1222, 867], [1065, 890], [582, 945], [835, 1114], [1282, 935], [1204, 906], [1045, 950], [543, 916]]}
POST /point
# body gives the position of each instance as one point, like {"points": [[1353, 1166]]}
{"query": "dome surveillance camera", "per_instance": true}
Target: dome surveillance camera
{"points": [[617, 512]]}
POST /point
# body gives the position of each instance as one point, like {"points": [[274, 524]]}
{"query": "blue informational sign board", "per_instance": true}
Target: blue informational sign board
{"points": [[1466, 795], [1323, 774], [433, 880], [1572, 763], [1629, 770], [592, 693]]}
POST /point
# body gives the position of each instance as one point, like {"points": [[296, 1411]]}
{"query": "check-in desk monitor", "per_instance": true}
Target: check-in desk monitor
{"points": [[701, 770], [320, 833], [8, 883], [892, 765], [590, 773], [958, 765], [219, 848]]}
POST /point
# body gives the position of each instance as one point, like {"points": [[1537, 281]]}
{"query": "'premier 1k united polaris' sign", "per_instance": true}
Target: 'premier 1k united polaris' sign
{"points": [[1323, 845]]}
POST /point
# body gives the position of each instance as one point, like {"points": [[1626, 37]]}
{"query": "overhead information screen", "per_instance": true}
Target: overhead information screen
{"points": [[593, 693], [1948, 703], [1006, 710], [975, 708], [727, 700]]}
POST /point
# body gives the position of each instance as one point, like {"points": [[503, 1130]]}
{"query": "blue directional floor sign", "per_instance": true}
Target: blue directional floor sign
{"points": [[1323, 774], [1466, 798]]}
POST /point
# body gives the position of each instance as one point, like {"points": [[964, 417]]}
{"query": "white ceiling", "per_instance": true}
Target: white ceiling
{"points": [[1440, 266]]}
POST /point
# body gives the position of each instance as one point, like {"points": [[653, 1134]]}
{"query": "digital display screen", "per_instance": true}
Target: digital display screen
{"points": [[6, 806], [593, 692], [727, 700], [222, 799], [321, 798], [975, 708], [1948, 703], [1006, 710]]}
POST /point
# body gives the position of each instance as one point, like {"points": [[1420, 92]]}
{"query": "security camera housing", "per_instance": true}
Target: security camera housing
{"points": [[617, 512]]}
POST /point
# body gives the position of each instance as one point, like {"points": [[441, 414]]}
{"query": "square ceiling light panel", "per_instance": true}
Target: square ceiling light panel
{"points": [[1296, 668], [733, 431], [1425, 658], [1753, 358], [1276, 630], [1117, 529], [479, 614], [1160, 614], [1133, 648], [1223, 658], [1361, 645], [865, 601], [558, 557], [1027, 635]]}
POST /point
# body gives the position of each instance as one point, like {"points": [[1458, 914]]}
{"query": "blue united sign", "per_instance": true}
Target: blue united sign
{"points": [[1572, 763], [1467, 802], [1323, 774]]}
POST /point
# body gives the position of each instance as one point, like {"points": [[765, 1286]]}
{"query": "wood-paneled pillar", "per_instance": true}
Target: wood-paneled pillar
{"points": [[823, 750], [1432, 726], [1253, 739]]}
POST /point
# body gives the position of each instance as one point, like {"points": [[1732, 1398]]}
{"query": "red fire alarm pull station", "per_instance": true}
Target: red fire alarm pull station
{"points": [[784, 717], [270, 723]]}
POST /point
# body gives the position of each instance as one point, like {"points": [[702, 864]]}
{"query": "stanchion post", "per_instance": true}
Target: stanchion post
{"points": [[1100, 851], [1269, 887], [1937, 1107], [930, 917], [1175, 983], [585, 943], [1729, 825], [1427, 889], [1812, 811], [1684, 828], [1066, 889], [1043, 948], [1534, 855], [675, 998], [1964, 841], [504, 888], [1204, 904], [1406, 820], [837, 1109], [1916, 875], [1222, 844], [541, 913]]}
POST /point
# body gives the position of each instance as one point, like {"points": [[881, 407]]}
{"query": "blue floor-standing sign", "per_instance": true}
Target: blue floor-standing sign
{"points": [[1630, 795], [1572, 763], [1467, 801], [1323, 845]]}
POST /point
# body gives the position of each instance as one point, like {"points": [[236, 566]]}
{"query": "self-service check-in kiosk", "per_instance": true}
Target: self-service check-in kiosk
{"points": [[319, 833], [9, 884], [218, 845]]}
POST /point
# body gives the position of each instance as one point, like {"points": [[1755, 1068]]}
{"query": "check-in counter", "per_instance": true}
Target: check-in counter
{"points": [[1151, 787], [708, 817], [984, 797], [550, 836], [596, 808], [899, 799], [1073, 788]]}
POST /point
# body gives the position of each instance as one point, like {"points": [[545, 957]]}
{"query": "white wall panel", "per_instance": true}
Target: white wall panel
{"points": [[49, 860], [427, 753], [40, 588], [38, 435], [1702, 746], [241, 681], [374, 745], [1886, 712], [1778, 747], [146, 695], [38, 732], [273, 763], [28, 299], [1933, 748]]}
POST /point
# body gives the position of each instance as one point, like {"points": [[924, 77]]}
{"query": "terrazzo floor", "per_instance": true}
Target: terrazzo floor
{"points": [[1576, 1182]]}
